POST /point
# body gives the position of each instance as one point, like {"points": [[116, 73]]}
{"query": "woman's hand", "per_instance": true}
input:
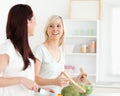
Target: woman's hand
{"points": [[82, 77], [29, 84], [61, 80]]}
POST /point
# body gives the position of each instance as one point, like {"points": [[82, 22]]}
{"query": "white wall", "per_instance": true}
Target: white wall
{"points": [[4, 6]]}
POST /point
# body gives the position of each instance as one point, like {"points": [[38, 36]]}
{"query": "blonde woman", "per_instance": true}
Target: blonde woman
{"points": [[50, 56]]}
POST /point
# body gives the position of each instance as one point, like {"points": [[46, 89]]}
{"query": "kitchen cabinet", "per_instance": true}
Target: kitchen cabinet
{"points": [[87, 9], [81, 46]]}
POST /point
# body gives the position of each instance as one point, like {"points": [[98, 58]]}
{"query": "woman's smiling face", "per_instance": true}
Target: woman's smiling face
{"points": [[55, 29]]}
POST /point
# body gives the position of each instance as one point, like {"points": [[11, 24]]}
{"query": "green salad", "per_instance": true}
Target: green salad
{"points": [[70, 90]]}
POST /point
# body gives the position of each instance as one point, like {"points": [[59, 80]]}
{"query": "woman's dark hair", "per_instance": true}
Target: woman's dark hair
{"points": [[17, 31]]}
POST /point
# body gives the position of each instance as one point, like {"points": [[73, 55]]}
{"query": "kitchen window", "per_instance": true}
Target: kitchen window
{"points": [[116, 40], [108, 69]]}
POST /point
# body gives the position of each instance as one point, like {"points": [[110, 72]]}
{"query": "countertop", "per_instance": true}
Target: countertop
{"points": [[99, 91], [105, 94]]}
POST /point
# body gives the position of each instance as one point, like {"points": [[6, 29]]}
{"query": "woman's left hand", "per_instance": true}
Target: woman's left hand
{"points": [[82, 77]]}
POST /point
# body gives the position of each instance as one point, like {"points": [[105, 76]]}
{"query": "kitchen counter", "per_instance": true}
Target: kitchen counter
{"points": [[105, 94], [106, 90], [95, 94], [100, 91]]}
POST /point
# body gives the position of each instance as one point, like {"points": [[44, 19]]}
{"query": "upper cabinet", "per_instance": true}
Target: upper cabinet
{"points": [[85, 9]]}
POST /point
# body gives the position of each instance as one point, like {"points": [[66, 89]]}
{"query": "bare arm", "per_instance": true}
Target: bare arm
{"points": [[4, 60], [40, 80], [4, 82], [44, 81]]}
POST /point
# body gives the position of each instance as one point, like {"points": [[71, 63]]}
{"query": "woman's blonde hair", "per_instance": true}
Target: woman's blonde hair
{"points": [[54, 18]]}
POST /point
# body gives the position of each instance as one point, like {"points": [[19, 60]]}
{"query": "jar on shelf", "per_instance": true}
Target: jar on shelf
{"points": [[78, 32], [83, 48], [91, 32], [92, 46]]}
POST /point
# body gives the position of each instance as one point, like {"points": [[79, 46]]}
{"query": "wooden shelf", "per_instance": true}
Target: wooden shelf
{"points": [[79, 54], [77, 36]]}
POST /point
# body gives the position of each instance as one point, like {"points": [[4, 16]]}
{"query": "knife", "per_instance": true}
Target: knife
{"points": [[45, 92]]}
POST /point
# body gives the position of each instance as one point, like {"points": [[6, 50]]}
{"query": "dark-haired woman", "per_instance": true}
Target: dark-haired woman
{"points": [[16, 58]]}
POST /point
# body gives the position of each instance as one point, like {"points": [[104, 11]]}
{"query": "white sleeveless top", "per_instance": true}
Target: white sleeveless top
{"points": [[14, 69], [50, 68]]}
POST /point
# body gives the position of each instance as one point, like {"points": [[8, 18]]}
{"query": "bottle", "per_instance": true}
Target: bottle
{"points": [[90, 32], [83, 48], [93, 46]]}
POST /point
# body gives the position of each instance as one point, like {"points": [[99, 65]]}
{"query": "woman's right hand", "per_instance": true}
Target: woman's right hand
{"points": [[29, 84], [61, 80]]}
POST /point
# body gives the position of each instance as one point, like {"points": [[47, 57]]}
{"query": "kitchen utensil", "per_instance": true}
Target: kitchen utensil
{"points": [[80, 89], [44, 92]]}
